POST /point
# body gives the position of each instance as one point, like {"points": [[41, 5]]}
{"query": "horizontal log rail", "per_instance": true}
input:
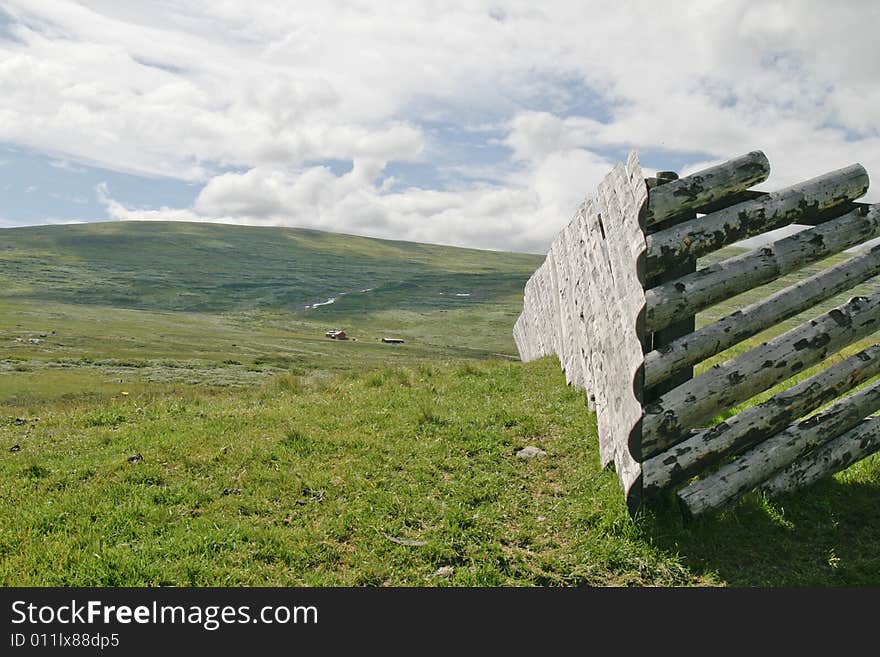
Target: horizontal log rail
{"points": [[708, 447], [751, 194], [706, 186], [841, 452], [706, 287], [669, 248], [668, 418], [778, 452], [733, 199], [714, 338]]}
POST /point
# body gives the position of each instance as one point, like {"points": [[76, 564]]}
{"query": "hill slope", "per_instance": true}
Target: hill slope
{"points": [[215, 267], [185, 297]]}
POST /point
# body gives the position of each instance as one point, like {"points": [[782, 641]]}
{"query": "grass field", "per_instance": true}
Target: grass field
{"points": [[170, 413]]}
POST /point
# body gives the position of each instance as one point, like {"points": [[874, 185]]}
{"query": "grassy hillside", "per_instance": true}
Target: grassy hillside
{"points": [[213, 267], [176, 300], [171, 413]]}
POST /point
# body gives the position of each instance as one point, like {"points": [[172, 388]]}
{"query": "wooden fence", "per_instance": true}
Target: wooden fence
{"points": [[616, 299]]}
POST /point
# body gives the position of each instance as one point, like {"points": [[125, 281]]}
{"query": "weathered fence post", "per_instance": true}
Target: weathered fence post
{"points": [[616, 300]]}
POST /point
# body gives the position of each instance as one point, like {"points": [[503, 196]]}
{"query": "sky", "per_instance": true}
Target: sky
{"points": [[478, 124]]}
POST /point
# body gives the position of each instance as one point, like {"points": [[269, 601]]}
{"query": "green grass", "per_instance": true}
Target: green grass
{"points": [[250, 450]]}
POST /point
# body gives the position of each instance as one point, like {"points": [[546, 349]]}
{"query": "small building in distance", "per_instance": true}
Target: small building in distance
{"points": [[336, 334], [392, 340]]}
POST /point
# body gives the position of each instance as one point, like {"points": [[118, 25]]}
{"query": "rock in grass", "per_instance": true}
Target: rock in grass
{"points": [[15, 448], [310, 496], [231, 491], [137, 458], [531, 452]]}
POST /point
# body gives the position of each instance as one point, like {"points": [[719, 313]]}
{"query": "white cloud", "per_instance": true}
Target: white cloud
{"points": [[316, 198], [535, 135], [67, 166], [48, 221], [189, 89]]}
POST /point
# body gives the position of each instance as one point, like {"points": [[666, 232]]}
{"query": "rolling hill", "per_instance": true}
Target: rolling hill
{"points": [[206, 293], [214, 267]]}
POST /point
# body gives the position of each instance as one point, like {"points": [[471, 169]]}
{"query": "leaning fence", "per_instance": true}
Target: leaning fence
{"points": [[616, 299]]}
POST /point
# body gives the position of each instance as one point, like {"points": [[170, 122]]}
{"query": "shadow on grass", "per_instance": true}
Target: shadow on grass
{"points": [[826, 535]]}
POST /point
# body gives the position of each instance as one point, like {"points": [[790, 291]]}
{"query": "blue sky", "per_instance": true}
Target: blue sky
{"points": [[39, 188], [484, 124]]}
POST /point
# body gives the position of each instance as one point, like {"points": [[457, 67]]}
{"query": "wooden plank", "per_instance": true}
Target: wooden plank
{"points": [[694, 292], [542, 318], [614, 267], [705, 186], [838, 454], [574, 355], [612, 294], [705, 448], [773, 455], [668, 418], [519, 338], [584, 305], [532, 318], [551, 297], [583, 316], [691, 239], [545, 317], [527, 348], [530, 348]]}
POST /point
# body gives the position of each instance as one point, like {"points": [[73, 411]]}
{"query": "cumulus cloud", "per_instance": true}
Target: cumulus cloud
{"points": [[253, 100], [316, 198]]}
